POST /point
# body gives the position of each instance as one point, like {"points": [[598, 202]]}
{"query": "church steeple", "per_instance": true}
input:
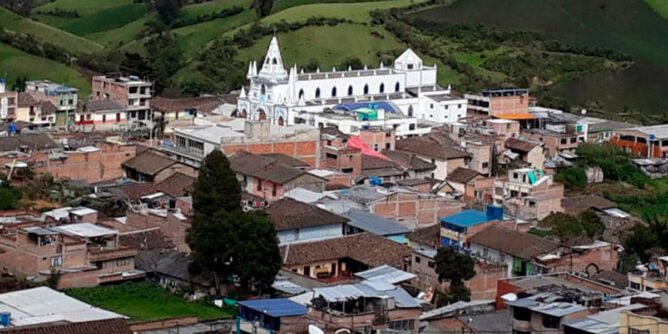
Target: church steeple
{"points": [[273, 69]]}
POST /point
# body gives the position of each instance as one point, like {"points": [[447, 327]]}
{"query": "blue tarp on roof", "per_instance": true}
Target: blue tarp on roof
{"points": [[369, 104], [278, 307], [466, 218]]}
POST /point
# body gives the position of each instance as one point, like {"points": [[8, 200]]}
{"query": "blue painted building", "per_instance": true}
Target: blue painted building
{"points": [[270, 316], [457, 228]]}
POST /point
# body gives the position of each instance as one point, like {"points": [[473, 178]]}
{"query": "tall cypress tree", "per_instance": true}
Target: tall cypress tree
{"points": [[216, 187]]}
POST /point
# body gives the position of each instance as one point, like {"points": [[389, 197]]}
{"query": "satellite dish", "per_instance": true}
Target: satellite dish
{"points": [[583, 111], [313, 329], [509, 297]]}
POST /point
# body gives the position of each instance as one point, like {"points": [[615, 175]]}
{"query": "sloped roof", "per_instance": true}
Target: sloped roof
{"points": [[366, 248], [204, 104], [133, 191], [287, 160], [288, 214], [264, 167], [577, 204], [40, 141], [111, 326], [409, 160], [431, 147], [149, 162], [277, 307], [520, 145], [375, 224], [429, 235], [26, 100], [372, 162], [515, 243], [103, 105], [462, 175], [176, 185]]}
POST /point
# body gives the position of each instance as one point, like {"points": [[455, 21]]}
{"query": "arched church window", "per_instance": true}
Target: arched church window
{"points": [[350, 90], [333, 91], [274, 61], [366, 89], [281, 122], [263, 90], [397, 87], [382, 88], [301, 93], [317, 93], [410, 111]]}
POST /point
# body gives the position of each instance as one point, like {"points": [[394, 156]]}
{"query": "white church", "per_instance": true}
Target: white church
{"points": [[407, 90]]}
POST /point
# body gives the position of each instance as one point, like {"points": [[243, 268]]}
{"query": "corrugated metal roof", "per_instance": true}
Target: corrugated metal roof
{"points": [[558, 309], [366, 289], [279, 307], [86, 230], [387, 274], [373, 223]]}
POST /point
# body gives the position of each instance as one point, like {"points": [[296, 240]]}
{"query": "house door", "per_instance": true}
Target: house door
{"points": [[307, 271], [118, 117], [333, 269]]}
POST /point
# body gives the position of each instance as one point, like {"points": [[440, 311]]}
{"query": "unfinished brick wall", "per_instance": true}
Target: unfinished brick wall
{"points": [[305, 150], [415, 209]]}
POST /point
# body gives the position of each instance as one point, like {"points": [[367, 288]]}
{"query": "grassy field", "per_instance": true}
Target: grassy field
{"points": [[15, 63], [195, 10], [661, 6], [338, 46], [43, 32], [89, 23], [145, 302], [628, 26]]}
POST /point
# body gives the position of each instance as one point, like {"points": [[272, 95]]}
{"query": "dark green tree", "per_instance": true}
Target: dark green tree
{"points": [[164, 57], [258, 244], [10, 197], [262, 7], [572, 177], [168, 10], [19, 84], [455, 268], [224, 240], [216, 187], [573, 229]]}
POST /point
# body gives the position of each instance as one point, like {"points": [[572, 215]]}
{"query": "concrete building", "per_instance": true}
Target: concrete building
{"points": [[8, 102], [33, 111], [295, 221], [457, 229], [529, 154], [553, 142], [64, 98], [438, 150], [132, 93], [645, 141], [528, 193], [100, 115], [500, 103], [377, 119], [85, 254], [651, 319]]}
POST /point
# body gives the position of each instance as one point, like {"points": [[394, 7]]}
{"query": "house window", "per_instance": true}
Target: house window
{"points": [[273, 189], [259, 185], [410, 66], [485, 164], [564, 140], [521, 314], [104, 118], [56, 261], [638, 331], [411, 127], [551, 322], [417, 259], [431, 264], [485, 252], [388, 146]]}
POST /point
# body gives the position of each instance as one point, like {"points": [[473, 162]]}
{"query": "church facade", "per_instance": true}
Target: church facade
{"points": [[289, 96]]}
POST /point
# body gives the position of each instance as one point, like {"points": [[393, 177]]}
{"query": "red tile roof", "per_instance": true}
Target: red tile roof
{"points": [[112, 326]]}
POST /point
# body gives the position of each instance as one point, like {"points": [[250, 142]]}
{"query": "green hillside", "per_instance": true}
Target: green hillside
{"points": [[661, 7], [43, 32], [15, 63]]}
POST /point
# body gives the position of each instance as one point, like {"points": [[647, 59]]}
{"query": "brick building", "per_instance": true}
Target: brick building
{"points": [[500, 103], [646, 141], [437, 149], [553, 142], [153, 166], [268, 177], [133, 94], [64, 98], [85, 254]]}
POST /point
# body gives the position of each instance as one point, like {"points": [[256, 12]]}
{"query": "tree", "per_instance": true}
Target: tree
{"points": [[572, 177], [455, 268], [10, 197], [262, 7], [216, 187], [573, 229], [19, 84], [164, 57], [224, 240], [168, 10]]}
